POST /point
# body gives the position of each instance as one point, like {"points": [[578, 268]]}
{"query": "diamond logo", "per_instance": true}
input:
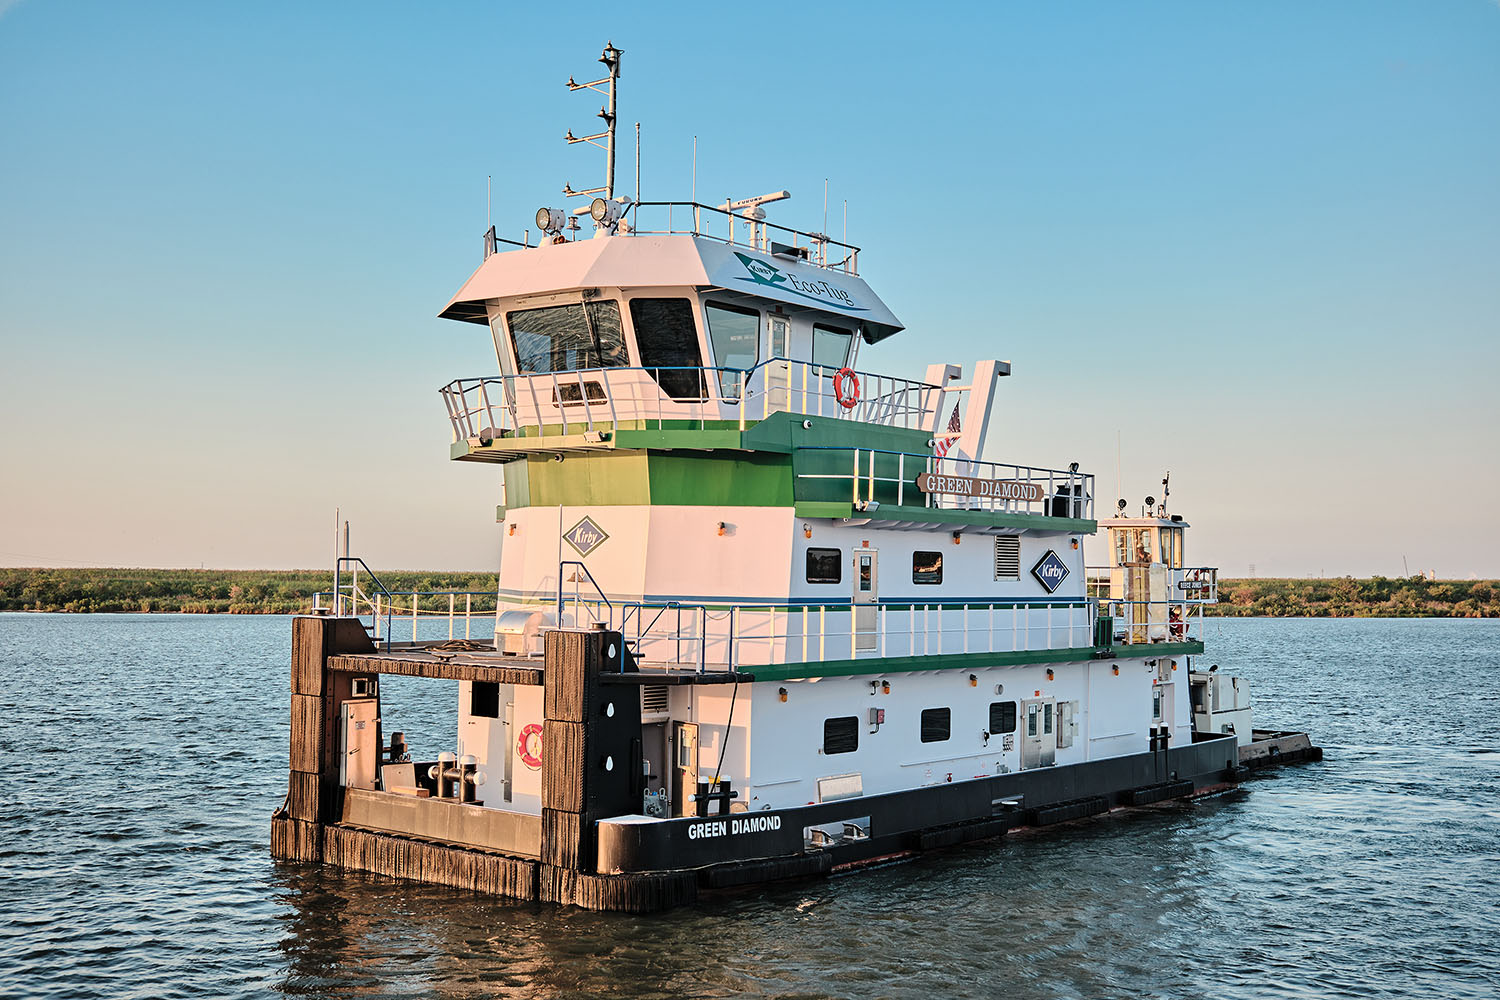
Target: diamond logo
{"points": [[1050, 571], [585, 536]]}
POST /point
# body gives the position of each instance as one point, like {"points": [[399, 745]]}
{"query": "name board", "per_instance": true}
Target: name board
{"points": [[965, 486], [733, 827]]}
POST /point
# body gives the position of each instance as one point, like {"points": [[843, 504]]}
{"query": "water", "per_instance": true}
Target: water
{"points": [[143, 756]]}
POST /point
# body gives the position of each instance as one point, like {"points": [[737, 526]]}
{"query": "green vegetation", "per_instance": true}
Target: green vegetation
{"points": [[1346, 597], [214, 591], [237, 592]]}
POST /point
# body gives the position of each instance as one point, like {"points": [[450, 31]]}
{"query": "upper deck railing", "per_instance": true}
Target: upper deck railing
{"points": [[685, 217], [872, 477], [594, 398]]}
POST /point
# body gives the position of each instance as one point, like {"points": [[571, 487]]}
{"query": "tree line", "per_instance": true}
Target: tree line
{"points": [[217, 591]]}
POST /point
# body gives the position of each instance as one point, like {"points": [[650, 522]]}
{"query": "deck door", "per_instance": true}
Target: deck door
{"points": [[1038, 733], [866, 600], [778, 373], [684, 768]]}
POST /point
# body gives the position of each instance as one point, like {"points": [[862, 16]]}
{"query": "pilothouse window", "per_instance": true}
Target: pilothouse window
{"points": [[831, 345], [667, 338], [568, 338], [735, 332]]}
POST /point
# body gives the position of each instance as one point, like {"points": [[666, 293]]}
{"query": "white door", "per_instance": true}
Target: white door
{"points": [[866, 600], [778, 373], [1038, 734]]}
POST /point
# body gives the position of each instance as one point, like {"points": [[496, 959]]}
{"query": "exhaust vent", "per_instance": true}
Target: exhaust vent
{"points": [[1008, 557]]}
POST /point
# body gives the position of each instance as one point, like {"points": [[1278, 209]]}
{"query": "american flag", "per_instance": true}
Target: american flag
{"points": [[943, 444]]}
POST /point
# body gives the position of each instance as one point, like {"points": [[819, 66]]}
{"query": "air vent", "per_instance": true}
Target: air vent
{"points": [[654, 699], [1008, 557]]}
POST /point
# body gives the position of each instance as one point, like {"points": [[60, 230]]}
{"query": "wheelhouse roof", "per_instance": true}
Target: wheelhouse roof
{"points": [[664, 261]]}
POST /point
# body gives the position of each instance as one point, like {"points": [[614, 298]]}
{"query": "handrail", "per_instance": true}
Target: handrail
{"points": [[747, 634], [593, 398], [849, 264], [1072, 489], [594, 583]]}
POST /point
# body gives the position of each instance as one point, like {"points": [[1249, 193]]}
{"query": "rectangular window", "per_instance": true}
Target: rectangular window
{"points": [[1008, 557], [484, 700], [936, 724], [667, 338], [841, 735], [1031, 714], [1047, 719], [568, 338], [926, 567], [734, 332], [825, 566], [831, 346], [1002, 717]]}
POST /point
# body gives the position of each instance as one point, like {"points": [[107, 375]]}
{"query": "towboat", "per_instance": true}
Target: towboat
{"points": [[762, 612]]}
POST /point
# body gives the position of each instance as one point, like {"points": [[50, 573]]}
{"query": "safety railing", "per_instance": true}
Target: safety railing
{"points": [[701, 637], [1144, 622], [1195, 583], [462, 614], [664, 217], [596, 399], [1188, 584], [870, 477]]}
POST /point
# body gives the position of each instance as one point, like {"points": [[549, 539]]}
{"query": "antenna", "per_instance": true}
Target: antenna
{"points": [[489, 199], [695, 184], [637, 164], [749, 209], [611, 60]]}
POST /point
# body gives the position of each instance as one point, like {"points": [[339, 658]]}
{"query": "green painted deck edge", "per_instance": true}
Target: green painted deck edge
{"points": [[958, 661], [699, 440], [1140, 649], [907, 664], [932, 515]]}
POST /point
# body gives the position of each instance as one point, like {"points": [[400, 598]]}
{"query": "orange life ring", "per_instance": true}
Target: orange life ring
{"points": [[846, 387], [531, 758]]}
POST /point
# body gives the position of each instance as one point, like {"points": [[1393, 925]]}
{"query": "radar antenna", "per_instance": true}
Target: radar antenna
{"points": [[611, 60], [1166, 491]]}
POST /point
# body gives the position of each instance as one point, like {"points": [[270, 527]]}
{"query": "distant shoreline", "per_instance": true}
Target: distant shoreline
{"points": [[282, 592]]}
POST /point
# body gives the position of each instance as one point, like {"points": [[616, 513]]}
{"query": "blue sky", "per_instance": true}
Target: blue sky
{"points": [[1259, 241]]}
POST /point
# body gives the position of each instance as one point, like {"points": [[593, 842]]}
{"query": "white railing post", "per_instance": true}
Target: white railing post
{"points": [[823, 629], [377, 616], [413, 616], [452, 600]]}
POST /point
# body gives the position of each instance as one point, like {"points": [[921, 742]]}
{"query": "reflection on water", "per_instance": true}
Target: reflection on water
{"points": [[145, 754]]}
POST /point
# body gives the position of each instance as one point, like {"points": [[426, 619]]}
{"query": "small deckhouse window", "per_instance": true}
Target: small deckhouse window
{"points": [[667, 338], [568, 338], [1008, 557], [735, 333], [1002, 717], [831, 345], [926, 567], [825, 566], [936, 724], [841, 735], [484, 700]]}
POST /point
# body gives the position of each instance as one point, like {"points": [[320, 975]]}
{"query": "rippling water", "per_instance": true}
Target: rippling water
{"points": [[143, 756]]}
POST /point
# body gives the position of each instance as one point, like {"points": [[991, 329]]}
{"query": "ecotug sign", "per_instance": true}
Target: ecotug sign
{"points": [[965, 486]]}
